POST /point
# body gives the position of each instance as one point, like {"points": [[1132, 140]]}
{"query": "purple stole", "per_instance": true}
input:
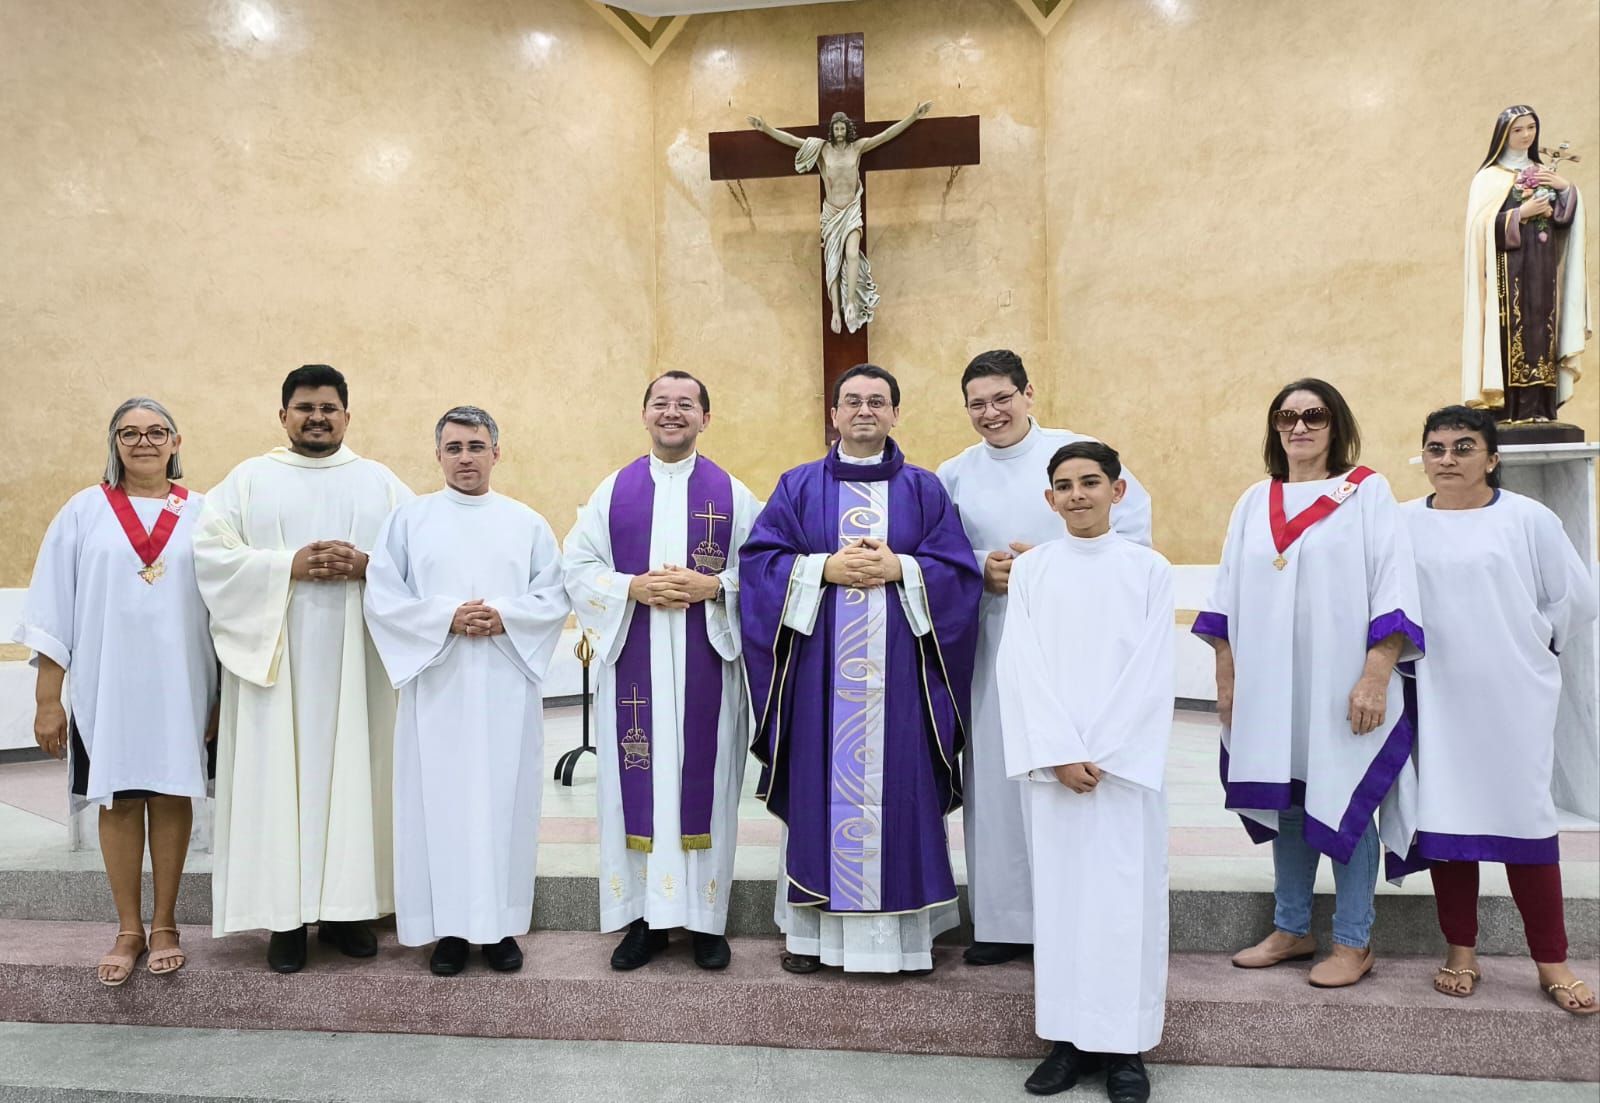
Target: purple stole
{"points": [[710, 529]]}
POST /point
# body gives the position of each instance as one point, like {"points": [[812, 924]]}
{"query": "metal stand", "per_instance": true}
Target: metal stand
{"points": [[569, 761]]}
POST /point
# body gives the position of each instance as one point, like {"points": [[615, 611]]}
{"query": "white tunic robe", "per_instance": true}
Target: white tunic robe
{"points": [[305, 744], [469, 738], [1501, 585], [999, 493], [1300, 637], [669, 886], [1103, 695], [142, 675]]}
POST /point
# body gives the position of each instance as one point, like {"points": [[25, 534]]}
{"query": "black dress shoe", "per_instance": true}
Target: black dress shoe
{"points": [[350, 939], [711, 951], [1060, 1070], [504, 956], [1126, 1079], [995, 953], [286, 952], [449, 956], [638, 946], [800, 963]]}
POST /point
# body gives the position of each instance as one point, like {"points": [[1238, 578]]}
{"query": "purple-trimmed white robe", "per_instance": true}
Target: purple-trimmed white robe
{"points": [[1086, 674], [999, 493], [1502, 587], [668, 886], [1300, 638]]}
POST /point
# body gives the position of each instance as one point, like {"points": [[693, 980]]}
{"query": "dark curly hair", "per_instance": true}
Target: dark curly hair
{"points": [[849, 127]]}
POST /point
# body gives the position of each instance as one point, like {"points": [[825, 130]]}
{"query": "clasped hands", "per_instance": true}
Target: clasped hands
{"points": [[1080, 777], [670, 587], [997, 568], [474, 618], [862, 564], [329, 561]]}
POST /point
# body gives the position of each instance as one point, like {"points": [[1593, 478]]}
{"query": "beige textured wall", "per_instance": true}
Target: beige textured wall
{"points": [[449, 202], [1185, 202], [737, 295], [1243, 192]]}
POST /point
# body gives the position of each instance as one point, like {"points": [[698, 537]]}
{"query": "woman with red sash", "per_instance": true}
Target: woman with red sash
{"points": [[1314, 604], [114, 601]]}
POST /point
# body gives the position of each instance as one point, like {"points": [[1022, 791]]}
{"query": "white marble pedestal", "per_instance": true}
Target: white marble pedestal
{"points": [[1562, 476]]}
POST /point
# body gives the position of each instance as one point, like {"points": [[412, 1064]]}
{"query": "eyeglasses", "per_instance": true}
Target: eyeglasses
{"points": [[327, 409], [854, 402], [1000, 403], [157, 435], [1315, 417], [682, 405], [1461, 448]]}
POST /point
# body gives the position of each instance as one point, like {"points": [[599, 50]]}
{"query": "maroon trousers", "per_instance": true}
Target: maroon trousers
{"points": [[1536, 889]]}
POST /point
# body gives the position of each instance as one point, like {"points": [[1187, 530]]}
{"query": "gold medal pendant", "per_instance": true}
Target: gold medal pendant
{"points": [[1280, 563], [151, 572]]}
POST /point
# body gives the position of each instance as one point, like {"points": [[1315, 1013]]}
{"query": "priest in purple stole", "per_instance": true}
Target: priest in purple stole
{"points": [[652, 567], [859, 604]]}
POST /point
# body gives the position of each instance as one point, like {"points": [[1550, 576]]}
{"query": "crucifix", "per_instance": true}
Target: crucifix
{"points": [[841, 88]]}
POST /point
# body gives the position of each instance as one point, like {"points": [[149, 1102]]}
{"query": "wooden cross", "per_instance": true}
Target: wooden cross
{"points": [[841, 86]]}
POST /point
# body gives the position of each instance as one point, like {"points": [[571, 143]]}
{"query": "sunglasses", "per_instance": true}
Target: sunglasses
{"points": [[1317, 417]]}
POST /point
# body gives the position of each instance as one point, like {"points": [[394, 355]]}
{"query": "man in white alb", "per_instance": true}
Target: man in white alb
{"points": [[304, 746], [996, 485], [465, 604]]}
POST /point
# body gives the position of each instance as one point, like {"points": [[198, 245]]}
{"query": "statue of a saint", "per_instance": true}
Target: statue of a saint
{"points": [[1527, 306], [838, 160]]}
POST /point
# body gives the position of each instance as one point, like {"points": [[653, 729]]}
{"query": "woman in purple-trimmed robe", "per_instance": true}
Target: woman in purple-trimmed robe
{"points": [[1315, 602], [1505, 591]]}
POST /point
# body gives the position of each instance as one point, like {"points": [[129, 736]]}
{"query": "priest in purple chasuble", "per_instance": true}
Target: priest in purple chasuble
{"points": [[859, 602], [652, 568]]}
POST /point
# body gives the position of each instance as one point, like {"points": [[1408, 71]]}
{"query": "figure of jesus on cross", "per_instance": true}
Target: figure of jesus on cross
{"points": [[838, 161]]}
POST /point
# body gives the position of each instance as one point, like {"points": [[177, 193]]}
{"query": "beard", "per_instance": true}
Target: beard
{"points": [[317, 447]]}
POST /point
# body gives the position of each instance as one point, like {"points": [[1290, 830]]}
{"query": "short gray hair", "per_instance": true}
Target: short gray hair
{"points": [[466, 415], [114, 471]]}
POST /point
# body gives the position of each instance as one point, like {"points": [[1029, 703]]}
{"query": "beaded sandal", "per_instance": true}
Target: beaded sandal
{"points": [[1453, 973], [1571, 990]]}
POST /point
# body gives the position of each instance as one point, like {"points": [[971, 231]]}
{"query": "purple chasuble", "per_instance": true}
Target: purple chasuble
{"points": [[861, 723], [710, 522]]}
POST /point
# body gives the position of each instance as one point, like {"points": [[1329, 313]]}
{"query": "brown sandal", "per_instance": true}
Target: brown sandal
{"points": [[125, 962], [169, 960], [1571, 990], [1444, 970]]}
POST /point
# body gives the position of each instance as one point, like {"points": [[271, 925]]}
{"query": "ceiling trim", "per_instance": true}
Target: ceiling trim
{"points": [[649, 35], [1044, 14]]}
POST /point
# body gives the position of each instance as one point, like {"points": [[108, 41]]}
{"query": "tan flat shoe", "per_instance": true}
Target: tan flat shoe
{"points": [[169, 960], [125, 962], [1277, 947], [1342, 968]]}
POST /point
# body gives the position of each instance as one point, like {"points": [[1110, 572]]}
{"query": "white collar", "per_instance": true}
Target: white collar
{"points": [[459, 498], [679, 467]]}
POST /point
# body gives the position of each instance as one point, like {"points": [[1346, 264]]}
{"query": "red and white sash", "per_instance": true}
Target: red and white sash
{"points": [[1286, 531], [147, 546]]}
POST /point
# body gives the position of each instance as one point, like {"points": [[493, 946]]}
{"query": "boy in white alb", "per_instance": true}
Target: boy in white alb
{"points": [[1086, 691]]}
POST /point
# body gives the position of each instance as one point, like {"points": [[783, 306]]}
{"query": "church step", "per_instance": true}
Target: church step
{"points": [[1216, 1015], [1201, 921]]}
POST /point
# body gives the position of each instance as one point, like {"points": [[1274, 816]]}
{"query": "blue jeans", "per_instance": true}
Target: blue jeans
{"points": [[1294, 864]]}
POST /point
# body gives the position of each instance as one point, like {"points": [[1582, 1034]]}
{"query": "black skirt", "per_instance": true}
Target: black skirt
{"points": [[79, 765]]}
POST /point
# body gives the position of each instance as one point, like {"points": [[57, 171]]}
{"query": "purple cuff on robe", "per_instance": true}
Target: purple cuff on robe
{"points": [[1436, 847], [1211, 624], [1387, 625], [1511, 230], [1561, 210]]}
